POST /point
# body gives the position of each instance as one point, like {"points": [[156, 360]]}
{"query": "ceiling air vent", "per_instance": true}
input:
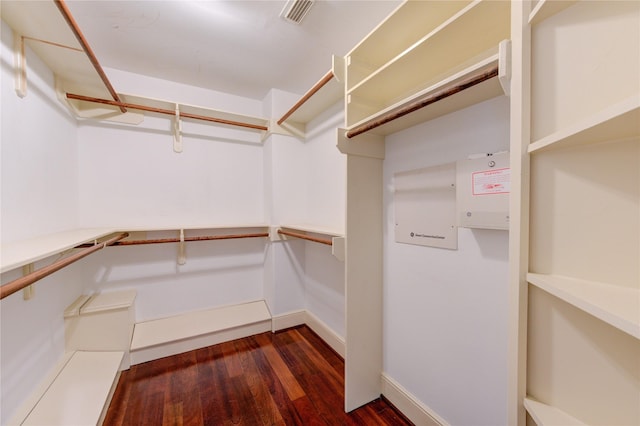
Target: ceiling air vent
{"points": [[295, 10]]}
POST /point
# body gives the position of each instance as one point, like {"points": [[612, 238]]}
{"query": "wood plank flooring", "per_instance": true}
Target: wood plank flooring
{"points": [[288, 378]]}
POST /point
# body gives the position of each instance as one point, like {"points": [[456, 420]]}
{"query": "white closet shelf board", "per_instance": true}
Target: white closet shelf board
{"points": [[616, 305], [193, 324], [486, 90], [314, 229], [20, 253], [50, 37], [546, 415], [80, 393], [323, 98], [546, 8], [199, 227], [108, 301], [617, 122], [469, 34], [195, 110]]}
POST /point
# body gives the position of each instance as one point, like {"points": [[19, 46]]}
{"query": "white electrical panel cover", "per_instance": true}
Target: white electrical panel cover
{"points": [[483, 187], [425, 206]]}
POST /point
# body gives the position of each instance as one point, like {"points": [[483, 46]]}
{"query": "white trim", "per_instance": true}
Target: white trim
{"points": [[302, 316], [329, 336], [409, 405], [288, 320]]}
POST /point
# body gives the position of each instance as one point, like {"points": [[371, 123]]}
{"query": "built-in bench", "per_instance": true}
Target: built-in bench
{"points": [[77, 392], [192, 330]]}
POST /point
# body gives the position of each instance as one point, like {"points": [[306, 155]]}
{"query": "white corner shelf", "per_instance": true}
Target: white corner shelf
{"points": [[20, 253], [314, 229], [617, 122], [458, 36], [616, 305], [319, 98], [486, 90], [547, 415], [547, 8]]}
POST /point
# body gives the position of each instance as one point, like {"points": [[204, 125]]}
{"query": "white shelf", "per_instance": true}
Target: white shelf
{"points": [[314, 229], [468, 36], [546, 415], [617, 122], [616, 305], [20, 253], [322, 98], [486, 90], [546, 8]]}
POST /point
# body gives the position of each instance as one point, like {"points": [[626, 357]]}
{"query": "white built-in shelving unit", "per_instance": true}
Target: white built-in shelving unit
{"points": [[583, 322], [422, 50]]}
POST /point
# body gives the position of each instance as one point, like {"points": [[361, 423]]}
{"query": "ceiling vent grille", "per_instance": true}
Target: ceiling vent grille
{"points": [[295, 10]]}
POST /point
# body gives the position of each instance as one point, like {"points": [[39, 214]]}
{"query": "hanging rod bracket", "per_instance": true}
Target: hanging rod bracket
{"points": [[20, 65], [177, 131], [28, 292], [504, 66], [182, 256]]}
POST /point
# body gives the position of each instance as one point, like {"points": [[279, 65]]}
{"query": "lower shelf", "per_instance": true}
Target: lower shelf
{"points": [[546, 415], [80, 391], [181, 333]]}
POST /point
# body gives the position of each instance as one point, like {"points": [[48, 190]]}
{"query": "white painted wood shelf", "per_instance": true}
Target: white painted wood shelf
{"points": [[546, 415], [317, 100], [616, 305], [180, 333], [546, 8], [439, 40], [20, 253], [617, 122], [79, 391]]}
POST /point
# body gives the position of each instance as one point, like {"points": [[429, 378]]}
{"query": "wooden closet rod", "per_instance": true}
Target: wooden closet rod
{"points": [[305, 237], [324, 80], [165, 111], [423, 102], [66, 13], [20, 283], [177, 240]]}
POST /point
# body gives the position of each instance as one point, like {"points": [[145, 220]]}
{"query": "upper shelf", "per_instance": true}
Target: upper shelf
{"points": [[20, 253], [546, 415], [433, 43], [616, 305], [326, 92], [546, 8], [617, 122]]}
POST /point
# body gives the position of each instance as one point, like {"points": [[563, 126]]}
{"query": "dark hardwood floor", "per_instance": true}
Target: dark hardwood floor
{"points": [[288, 378]]}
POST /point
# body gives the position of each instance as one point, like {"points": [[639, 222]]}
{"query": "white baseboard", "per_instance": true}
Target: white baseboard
{"points": [[409, 405], [294, 318]]}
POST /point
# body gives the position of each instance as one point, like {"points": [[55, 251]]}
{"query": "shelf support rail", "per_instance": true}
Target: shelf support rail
{"points": [[306, 237], [166, 111], [25, 281], [73, 25], [324, 80], [431, 98], [184, 239]]}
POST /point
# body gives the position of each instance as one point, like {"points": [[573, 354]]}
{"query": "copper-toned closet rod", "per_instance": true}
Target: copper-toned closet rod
{"points": [[20, 283], [87, 49], [306, 237], [324, 80], [177, 240], [421, 103], [165, 111]]}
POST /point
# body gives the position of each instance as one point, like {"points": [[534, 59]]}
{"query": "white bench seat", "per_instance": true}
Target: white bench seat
{"points": [[80, 392]]}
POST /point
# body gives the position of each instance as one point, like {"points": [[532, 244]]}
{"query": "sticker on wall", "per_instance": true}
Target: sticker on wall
{"points": [[483, 185], [425, 207]]}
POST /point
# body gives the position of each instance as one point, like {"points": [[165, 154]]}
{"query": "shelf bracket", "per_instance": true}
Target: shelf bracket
{"points": [[20, 65], [177, 131], [29, 291], [504, 66], [338, 248], [182, 257]]}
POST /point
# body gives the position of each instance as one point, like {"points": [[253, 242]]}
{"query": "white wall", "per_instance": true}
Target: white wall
{"points": [[445, 311], [38, 197]]}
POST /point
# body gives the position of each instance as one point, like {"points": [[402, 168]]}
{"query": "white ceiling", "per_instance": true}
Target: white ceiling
{"points": [[241, 47]]}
